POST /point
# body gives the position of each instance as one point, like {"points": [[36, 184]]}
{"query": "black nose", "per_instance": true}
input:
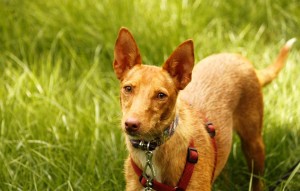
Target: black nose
{"points": [[132, 125]]}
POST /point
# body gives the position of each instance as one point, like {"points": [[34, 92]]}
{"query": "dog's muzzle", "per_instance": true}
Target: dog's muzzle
{"points": [[153, 144]]}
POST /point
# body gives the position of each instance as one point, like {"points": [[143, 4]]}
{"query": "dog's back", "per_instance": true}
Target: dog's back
{"points": [[227, 90], [218, 83]]}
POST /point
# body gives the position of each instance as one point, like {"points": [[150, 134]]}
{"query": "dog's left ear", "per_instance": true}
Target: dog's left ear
{"points": [[180, 64], [126, 53]]}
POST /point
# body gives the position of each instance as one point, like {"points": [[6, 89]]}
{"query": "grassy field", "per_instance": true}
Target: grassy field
{"points": [[59, 107]]}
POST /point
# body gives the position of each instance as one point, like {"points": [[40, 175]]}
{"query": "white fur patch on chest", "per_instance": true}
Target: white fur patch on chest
{"points": [[141, 156]]}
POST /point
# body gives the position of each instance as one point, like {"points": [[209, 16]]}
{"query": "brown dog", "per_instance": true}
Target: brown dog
{"points": [[165, 112]]}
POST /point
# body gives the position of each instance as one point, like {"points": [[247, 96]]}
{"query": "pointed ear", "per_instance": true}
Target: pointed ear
{"points": [[180, 64], [126, 53]]}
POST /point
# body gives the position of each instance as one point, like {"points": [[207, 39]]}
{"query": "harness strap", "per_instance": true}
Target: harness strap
{"points": [[192, 159], [212, 132]]}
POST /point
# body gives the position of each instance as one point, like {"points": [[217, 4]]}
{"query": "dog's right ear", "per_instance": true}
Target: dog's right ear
{"points": [[126, 53]]}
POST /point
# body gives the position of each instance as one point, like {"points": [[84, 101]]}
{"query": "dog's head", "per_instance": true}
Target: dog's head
{"points": [[149, 93]]}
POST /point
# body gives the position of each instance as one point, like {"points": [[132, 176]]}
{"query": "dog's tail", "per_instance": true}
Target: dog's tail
{"points": [[265, 76]]}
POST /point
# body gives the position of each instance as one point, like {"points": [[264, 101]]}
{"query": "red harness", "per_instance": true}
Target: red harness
{"points": [[192, 159], [212, 133]]}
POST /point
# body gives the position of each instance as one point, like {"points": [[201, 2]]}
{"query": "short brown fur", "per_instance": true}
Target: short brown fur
{"points": [[224, 88]]}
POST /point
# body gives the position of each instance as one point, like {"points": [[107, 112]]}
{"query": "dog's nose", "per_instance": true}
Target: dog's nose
{"points": [[132, 125]]}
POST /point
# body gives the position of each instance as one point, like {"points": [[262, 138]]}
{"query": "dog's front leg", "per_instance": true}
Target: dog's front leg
{"points": [[132, 181]]}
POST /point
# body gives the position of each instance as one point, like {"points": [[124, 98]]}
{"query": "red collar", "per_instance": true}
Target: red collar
{"points": [[192, 159]]}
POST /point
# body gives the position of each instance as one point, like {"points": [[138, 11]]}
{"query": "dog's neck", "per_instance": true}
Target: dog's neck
{"points": [[175, 146]]}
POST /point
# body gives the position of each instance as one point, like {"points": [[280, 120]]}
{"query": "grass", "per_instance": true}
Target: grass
{"points": [[59, 107]]}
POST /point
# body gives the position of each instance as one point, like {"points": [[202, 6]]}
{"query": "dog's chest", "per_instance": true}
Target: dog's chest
{"points": [[142, 157]]}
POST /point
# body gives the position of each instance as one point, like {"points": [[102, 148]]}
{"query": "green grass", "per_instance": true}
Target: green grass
{"points": [[59, 107]]}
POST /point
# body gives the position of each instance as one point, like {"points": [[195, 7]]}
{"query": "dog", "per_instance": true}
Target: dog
{"points": [[178, 119]]}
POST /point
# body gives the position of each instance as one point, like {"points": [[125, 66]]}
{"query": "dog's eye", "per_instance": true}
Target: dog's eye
{"points": [[161, 95], [128, 89]]}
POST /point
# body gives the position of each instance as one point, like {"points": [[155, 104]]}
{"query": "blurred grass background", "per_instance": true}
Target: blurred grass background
{"points": [[59, 107]]}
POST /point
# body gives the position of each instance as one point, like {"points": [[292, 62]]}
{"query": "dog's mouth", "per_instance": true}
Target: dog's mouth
{"points": [[143, 134], [139, 137], [150, 140]]}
